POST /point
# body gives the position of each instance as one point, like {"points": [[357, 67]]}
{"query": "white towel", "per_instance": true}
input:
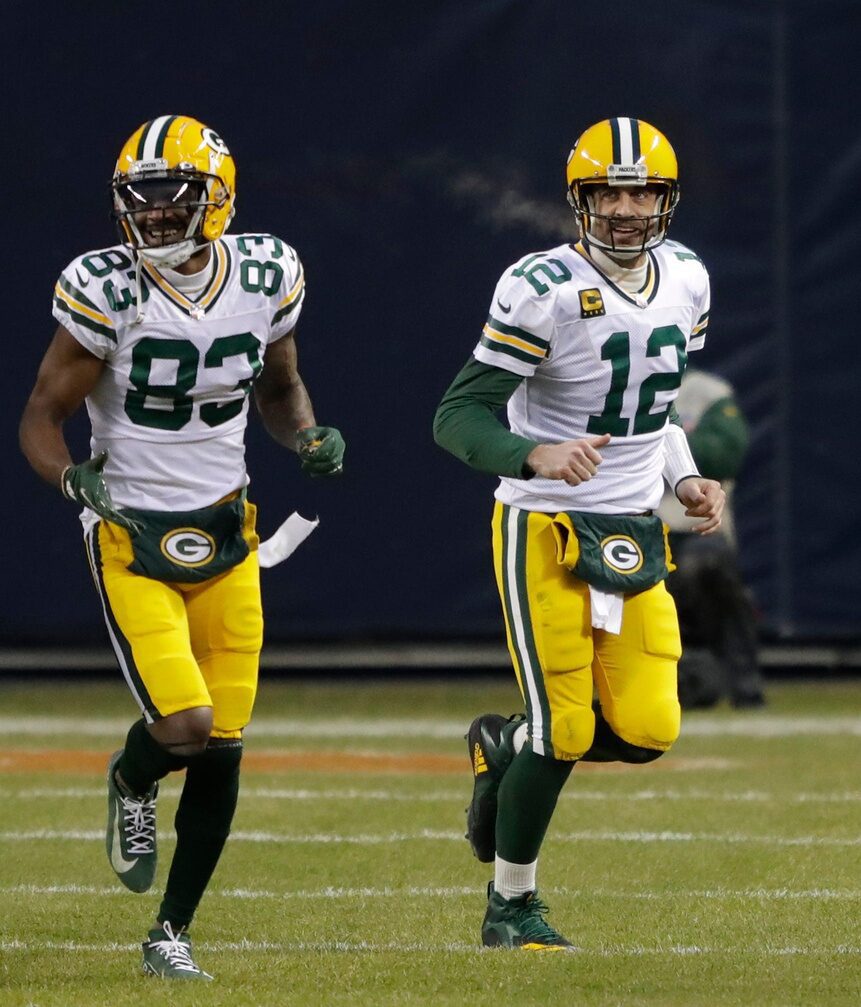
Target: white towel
{"points": [[286, 540], [606, 609]]}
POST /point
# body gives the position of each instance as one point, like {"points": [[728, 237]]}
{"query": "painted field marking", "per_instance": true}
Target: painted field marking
{"points": [[751, 725], [421, 835], [606, 951], [466, 891], [434, 796], [344, 761]]}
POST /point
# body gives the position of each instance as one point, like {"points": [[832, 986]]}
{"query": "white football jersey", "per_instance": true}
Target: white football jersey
{"points": [[171, 405], [596, 360]]}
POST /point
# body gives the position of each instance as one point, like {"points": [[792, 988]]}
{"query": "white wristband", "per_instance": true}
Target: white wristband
{"points": [[678, 461]]}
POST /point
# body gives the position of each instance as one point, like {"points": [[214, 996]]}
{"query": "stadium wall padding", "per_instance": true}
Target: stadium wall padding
{"points": [[411, 152]]}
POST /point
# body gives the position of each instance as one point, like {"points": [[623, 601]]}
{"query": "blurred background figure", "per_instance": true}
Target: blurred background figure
{"points": [[716, 615]]}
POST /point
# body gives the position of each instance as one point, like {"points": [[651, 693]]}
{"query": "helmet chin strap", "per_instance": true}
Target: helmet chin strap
{"points": [[616, 252], [169, 256], [162, 257]]}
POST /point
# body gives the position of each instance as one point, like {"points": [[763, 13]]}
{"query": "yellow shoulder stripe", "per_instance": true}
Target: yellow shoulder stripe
{"points": [[81, 309], [295, 290], [502, 337]]}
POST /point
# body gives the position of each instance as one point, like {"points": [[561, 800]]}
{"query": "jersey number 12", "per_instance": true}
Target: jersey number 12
{"points": [[617, 350]]}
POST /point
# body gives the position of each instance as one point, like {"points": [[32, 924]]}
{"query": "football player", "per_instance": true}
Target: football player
{"points": [[586, 345], [164, 336]]}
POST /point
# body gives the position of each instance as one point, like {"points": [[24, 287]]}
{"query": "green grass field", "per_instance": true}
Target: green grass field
{"points": [[727, 873]]}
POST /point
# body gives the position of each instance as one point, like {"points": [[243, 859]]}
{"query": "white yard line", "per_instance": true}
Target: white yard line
{"points": [[287, 947], [465, 891], [752, 725], [421, 835], [434, 796]]}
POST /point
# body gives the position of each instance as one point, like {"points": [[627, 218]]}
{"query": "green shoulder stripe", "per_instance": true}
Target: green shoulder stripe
{"points": [[79, 295], [88, 323], [285, 311], [513, 330], [512, 351]]}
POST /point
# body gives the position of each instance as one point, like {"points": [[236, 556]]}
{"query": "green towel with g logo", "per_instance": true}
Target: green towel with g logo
{"points": [[193, 546], [613, 552]]}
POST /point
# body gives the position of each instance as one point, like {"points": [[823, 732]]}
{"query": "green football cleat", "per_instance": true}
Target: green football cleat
{"points": [[130, 838], [491, 750], [519, 923], [168, 955]]}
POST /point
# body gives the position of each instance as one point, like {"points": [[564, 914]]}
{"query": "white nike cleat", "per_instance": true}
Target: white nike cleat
{"points": [[130, 838]]}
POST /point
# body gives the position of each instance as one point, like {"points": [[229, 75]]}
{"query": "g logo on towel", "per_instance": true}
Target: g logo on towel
{"points": [[188, 547], [621, 554]]}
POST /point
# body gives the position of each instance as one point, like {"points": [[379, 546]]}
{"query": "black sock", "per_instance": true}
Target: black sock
{"points": [[527, 799], [144, 760], [202, 822], [607, 746]]}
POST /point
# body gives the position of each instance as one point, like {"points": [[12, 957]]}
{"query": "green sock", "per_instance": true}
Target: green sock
{"points": [[202, 821], [144, 760], [527, 799]]}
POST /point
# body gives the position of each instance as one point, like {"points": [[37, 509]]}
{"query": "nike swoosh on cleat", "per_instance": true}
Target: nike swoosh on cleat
{"points": [[502, 306], [118, 861]]}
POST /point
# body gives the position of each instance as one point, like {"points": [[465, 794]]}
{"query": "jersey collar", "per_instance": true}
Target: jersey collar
{"points": [[219, 273], [646, 294]]}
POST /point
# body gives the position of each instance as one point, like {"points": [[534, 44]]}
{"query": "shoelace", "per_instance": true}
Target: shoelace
{"points": [[139, 825], [530, 919], [174, 951]]}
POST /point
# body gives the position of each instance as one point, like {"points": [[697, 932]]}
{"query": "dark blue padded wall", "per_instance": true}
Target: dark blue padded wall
{"points": [[410, 153]]}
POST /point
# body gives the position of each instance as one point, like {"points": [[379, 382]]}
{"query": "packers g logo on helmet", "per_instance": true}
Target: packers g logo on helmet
{"points": [[174, 161], [628, 152]]}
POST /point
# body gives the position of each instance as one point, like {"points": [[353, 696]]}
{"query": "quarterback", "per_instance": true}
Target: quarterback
{"points": [[585, 344], [164, 336]]}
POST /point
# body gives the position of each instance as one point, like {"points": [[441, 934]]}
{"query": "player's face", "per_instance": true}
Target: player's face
{"points": [[162, 208], [622, 213]]}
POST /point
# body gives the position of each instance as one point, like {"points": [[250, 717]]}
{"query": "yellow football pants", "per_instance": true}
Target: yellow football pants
{"points": [[178, 645], [559, 659]]}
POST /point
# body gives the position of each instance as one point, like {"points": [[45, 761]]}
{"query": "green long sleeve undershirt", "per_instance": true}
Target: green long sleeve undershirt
{"points": [[466, 423]]}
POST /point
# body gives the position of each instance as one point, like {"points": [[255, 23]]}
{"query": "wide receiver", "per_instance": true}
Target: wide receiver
{"points": [[164, 336], [586, 344]]}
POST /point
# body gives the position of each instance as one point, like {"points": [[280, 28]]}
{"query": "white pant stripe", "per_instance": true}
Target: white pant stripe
{"points": [[519, 635], [89, 538]]}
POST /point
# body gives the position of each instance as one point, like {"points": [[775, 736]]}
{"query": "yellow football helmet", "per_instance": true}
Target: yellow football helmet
{"points": [[626, 152], [176, 165]]}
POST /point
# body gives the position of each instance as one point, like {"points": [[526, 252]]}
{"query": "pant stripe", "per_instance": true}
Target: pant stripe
{"points": [[521, 628], [506, 593], [122, 647]]}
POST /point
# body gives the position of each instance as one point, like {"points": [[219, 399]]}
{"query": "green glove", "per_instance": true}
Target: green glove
{"points": [[85, 485], [321, 450]]}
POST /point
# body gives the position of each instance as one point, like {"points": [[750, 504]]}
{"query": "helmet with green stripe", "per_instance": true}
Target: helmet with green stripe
{"points": [[623, 152], [174, 188]]}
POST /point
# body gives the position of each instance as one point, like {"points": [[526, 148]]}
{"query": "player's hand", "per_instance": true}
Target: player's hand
{"points": [[321, 450], [703, 498], [573, 461], [85, 484]]}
